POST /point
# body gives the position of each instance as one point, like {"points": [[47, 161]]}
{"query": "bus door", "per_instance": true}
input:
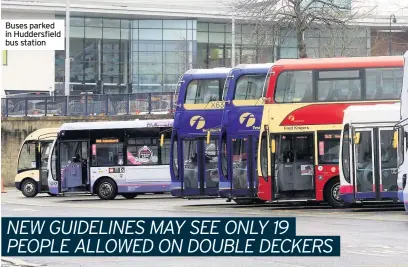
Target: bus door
{"points": [[244, 165], [364, 176], [209, 168], [200, 173], [45, 149], [294, 172], [375, 161], [73, 164], [388, 162]]}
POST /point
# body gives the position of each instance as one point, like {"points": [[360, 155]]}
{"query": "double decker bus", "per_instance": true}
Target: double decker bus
{"points": [[241, 121], [368, 152], [111, 157], [298, 155], [194, 159], [31, 177], [402, 131]]}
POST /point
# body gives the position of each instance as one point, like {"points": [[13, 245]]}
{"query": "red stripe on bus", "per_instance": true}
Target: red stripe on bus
{"points": [[315, 114]]}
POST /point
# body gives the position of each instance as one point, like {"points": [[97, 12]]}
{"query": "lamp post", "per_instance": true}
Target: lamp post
{"points": [[393, 19], [233, 42], [67, 59]]}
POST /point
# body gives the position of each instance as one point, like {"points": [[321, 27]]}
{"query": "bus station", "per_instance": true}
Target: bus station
{"points": [[179, 110]]}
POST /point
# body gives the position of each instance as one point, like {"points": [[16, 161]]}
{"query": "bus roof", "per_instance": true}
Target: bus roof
{"points": [[254, 66], [208, 71], [372, 113], [340, 62], [101, 125], [43, 134]]}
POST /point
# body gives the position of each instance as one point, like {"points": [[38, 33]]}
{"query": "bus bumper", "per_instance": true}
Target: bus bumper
{"points": [[346, 193], [400, 196], [224, 189]]}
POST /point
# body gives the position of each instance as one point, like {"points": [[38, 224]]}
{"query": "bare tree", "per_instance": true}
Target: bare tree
{"points": [[342, 41], [298, 15]]}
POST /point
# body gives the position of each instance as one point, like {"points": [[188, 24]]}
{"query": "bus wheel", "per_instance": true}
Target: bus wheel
{"points": [[29, 188], [332, 194], [129, 195], [107, 189]]}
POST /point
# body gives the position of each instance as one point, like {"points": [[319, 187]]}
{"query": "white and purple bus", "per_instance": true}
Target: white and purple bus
{"points": [[110, 158], [402, 127]]}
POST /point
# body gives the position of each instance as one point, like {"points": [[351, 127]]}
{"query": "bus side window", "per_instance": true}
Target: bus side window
{"points": [[143, 151], [165, 152], [108, 154]]}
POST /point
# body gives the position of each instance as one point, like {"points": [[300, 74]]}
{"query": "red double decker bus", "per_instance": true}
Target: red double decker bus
{"points": [[298, 152]]}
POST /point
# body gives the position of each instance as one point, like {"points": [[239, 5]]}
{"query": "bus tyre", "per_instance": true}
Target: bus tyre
{"points": [[107, 189], [332, 194], [129, 195], [29, 188]]}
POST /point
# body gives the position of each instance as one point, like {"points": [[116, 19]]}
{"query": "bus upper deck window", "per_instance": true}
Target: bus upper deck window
{"points": [[294, 86]]}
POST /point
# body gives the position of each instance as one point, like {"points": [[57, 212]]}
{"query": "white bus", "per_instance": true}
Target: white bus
{"points": [[31, 177], [369, 165], [402, 127], [110, 158]]}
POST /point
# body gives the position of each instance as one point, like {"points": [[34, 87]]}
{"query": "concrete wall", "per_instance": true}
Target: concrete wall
{"points": [[15, 130], [28, 70]]}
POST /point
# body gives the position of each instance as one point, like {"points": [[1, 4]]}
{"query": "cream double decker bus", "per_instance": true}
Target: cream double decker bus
{"points": [[32, 173], [298, 152]]}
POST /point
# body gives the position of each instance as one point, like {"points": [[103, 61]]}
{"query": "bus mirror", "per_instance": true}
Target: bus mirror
{"points": [[161, 140], [273, 146], [208, 137], [395, 139], [356, 138]]}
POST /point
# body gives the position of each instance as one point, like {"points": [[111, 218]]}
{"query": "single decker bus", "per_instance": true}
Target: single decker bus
{"points": [[32, 172], [298, 155], [368, 152], [111, 157], [241, 123], [402, 132], [194, 159]]}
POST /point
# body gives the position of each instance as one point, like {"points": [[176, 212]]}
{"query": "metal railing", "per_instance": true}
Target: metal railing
{"points": [[89, 105]]}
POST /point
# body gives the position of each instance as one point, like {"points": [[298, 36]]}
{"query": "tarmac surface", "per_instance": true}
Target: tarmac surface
{"points": [[370, 236]]}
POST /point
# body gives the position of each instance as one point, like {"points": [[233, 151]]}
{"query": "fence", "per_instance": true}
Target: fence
{"points": [[89, 104]]}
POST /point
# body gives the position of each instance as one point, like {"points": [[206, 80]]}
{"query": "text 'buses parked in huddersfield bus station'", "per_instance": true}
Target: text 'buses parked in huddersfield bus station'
{"points": [[298, 155]]}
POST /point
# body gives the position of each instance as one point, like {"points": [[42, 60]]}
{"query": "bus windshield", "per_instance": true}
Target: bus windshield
{"points": [[249, 87], [27, 158], [204, 91]]}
